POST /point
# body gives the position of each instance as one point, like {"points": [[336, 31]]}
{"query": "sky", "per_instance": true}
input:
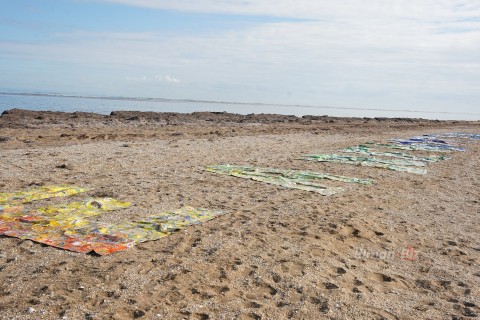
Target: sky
{"points": [[388, 54]]}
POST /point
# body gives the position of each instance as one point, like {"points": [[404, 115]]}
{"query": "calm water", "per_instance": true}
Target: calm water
{"points": [[105, 106]]}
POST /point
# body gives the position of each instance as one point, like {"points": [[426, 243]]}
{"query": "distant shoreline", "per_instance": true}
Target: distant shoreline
{"points": [[233, 103], [16, 116], [21, 128]]}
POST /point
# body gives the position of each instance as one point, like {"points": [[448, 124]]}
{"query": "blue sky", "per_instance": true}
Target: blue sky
{"points": [[419, 55]]}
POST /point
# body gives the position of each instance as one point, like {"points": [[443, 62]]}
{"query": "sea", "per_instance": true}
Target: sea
{"points": [[105, 105]]}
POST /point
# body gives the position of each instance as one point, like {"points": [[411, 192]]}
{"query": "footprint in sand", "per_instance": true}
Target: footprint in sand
{"points": [[290, 268]]}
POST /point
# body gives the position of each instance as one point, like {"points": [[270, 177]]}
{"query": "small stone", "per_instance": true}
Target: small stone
{"points": [[467, 312], [358, 282], [387, 278], [324, 308], [138, 314], [30, 310], [330, 286], [5, 139], [340, 270]]}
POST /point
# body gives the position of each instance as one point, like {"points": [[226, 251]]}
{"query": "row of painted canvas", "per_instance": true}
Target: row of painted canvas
{"points": [[391, 156], [72, 226]]}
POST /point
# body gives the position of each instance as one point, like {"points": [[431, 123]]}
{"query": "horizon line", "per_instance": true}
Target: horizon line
{"points": [[147, 99]]}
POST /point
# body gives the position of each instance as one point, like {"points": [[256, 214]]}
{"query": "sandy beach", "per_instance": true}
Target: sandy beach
{"points": [[405, 247]]}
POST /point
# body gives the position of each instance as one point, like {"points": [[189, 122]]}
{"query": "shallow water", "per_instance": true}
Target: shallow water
{"points": [[106, 105]]}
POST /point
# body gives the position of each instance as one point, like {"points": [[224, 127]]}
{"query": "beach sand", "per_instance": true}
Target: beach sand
{"points": [[277, 254]]}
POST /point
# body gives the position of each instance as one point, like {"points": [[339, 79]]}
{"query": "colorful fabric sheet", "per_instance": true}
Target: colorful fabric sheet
{"points": [[294, 179], [70, 226], [409, 147], [123, 236], [426, 145], [461, 135], [452, 135], [395, 165], [363, 149], [426, 139], [56, 225], [40, 193]]}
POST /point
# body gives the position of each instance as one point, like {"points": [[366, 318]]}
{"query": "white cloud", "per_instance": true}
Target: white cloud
{"points": [[350, 53], [422, 9], [167, 78], [137, 79]]}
